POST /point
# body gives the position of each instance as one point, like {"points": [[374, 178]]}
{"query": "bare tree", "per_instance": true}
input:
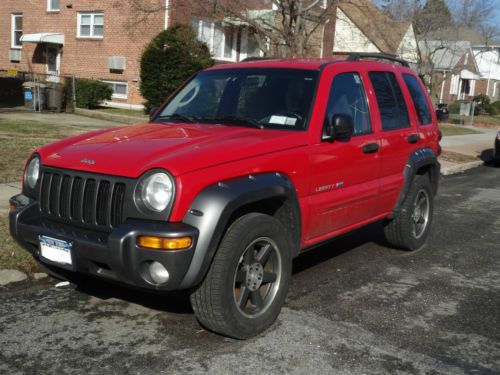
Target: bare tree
{"points": [[472, 13], [281, 27]]}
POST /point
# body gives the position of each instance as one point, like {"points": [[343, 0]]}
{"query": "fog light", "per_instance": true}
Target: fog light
{"points": [[158, 273], [162, 243]]}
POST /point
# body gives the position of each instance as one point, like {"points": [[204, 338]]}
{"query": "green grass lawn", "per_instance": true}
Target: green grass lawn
{"points": [[17, 141], [493, 120], [448, 129], [19, 138], [11, 254], [124, 112]]}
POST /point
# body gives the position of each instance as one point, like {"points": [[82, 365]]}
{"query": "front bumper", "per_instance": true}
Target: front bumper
{"points": [[111, 255]]}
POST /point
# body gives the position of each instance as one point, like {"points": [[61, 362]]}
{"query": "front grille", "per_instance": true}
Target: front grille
{"points": [[88, 200]]}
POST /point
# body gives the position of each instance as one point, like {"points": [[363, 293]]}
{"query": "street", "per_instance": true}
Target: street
{"points": [[355, 307]]}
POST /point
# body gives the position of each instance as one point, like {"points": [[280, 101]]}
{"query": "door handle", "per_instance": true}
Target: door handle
{"points": [[413, 138], [370, 148]]}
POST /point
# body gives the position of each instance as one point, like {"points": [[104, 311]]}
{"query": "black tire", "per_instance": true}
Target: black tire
{"points": [[251, 240], [403, 232]]}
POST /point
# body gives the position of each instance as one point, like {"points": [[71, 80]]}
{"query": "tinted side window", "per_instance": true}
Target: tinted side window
{"points": [[419, 99], [390, 100], [347, 96]]}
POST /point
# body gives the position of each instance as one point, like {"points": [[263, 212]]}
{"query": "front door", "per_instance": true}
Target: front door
{"points": [[53, 55], [345, 173]]}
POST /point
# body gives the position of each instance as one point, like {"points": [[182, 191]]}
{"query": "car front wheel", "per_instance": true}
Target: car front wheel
{"points": [[246, 285]]}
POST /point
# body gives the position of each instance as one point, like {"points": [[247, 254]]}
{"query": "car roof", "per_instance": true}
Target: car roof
{"points": [[300, 63]]}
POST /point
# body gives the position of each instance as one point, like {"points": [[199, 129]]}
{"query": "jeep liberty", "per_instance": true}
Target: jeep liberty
{"points": [[243, 168]]}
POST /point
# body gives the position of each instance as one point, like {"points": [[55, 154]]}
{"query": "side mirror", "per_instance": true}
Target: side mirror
{"points": [[340, 128], [152, 113]]}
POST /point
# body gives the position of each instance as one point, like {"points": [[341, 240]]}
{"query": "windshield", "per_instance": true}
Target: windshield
{"points": [[265, 98]]}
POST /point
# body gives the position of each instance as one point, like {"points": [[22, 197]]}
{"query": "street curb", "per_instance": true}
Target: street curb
{"points": [[459, 168], [12, 277]]}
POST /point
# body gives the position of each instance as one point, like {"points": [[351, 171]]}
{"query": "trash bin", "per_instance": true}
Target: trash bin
{"points": [[34, 95], [55, 96]]}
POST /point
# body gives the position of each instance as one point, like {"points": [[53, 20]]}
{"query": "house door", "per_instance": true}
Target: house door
{"points": [[53, 53]]}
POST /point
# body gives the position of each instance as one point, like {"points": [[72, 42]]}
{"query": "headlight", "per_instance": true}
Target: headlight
{"points": [[32, 172], [156, 191]]}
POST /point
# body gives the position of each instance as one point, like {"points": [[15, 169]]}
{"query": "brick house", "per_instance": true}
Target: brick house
{"points": [[104, 39], [462, 65]]}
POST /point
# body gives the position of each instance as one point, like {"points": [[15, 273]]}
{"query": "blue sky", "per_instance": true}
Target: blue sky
{"points": [[495, 15]]}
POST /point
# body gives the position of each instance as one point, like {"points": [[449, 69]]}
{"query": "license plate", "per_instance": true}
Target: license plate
{"points": [[55, 250]]}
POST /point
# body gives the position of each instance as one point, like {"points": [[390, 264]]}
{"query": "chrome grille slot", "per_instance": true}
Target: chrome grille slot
{"points": [[90, 201]]}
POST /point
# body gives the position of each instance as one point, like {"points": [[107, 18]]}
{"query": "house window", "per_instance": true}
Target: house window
{"points": [[220, 38], [120, 89], [90, 25], [53, 5], [249, 45], [17, 30]]}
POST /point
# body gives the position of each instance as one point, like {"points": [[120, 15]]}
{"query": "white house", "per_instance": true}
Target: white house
{"points": [[362, 27]]}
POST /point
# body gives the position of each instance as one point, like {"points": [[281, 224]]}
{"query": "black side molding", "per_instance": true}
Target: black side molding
{"points": [[423, 157], [212, 209]]}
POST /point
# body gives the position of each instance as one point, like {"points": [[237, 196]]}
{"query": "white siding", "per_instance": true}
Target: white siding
{"points": [[408, 49], [348, 38]]}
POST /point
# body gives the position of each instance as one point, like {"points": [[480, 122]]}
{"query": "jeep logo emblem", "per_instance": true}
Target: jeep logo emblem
{"points": [[87, 161]]}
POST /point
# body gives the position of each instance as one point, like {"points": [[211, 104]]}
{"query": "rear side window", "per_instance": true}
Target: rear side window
{"points": [[419, 99], [347, 96], [390, 100]]}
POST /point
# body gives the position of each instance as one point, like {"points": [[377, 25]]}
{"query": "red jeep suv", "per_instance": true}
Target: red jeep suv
{"points": [[246, 166]]}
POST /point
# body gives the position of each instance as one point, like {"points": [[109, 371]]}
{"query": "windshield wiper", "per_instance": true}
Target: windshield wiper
{"points": [[234, 120], [176, 116]]}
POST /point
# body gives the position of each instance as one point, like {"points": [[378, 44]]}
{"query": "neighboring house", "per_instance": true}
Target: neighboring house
{"points": [[488, 62], [103, 40], [461, 65], [362, 27]]}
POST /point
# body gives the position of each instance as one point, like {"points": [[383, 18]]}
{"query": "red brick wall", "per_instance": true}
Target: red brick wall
{"points": [[124, 35]]}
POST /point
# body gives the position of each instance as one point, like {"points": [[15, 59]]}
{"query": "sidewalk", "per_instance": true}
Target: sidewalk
{"points": [[478, 148], [6, 192]]}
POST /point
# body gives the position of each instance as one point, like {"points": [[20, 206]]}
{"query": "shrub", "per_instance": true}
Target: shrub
{"points": [[495, 108], [90, 93], [168, 60], [454, 108], [482, 104]]}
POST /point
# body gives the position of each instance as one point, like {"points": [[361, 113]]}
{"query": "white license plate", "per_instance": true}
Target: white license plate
{"points": [[55, 250]]}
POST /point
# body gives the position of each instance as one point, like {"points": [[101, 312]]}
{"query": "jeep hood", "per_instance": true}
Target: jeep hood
{"points": [[179, 148]]}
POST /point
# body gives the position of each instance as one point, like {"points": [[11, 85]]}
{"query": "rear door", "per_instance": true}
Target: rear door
{"points": [[399, 133], [345, 174]]}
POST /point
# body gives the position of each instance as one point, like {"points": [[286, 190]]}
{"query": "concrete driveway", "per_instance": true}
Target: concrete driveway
{"points": [[355, 307]]}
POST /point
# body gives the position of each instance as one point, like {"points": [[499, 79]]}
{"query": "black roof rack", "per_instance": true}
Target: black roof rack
{"points": [[381, 56], [248, 59]]}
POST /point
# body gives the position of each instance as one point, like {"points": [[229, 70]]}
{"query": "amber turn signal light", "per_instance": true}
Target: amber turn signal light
{"points": [[12, 207], [162, 243]]}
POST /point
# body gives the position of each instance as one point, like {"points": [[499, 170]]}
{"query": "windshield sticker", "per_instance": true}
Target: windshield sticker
{"points": [[356, 78], [283, 120]]}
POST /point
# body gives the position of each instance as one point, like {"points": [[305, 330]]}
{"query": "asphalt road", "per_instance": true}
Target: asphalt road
{"points": [[355, 307]]}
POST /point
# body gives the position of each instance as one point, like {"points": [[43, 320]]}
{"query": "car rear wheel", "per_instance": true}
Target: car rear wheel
{"points": [[410, 229], [248, 280]]}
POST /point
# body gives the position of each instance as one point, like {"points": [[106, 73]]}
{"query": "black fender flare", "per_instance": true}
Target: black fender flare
{"points": [[214, 206], [423, 157]]}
